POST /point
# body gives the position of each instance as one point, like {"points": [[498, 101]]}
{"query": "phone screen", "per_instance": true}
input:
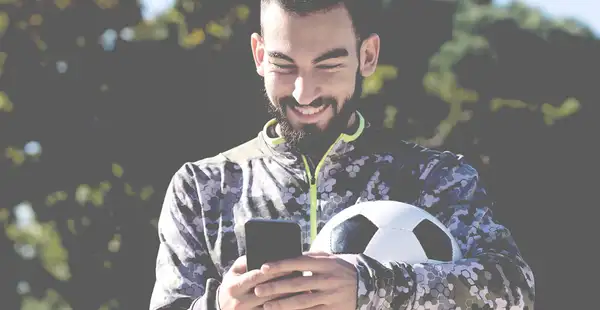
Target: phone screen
{"points": [[271, 240]]}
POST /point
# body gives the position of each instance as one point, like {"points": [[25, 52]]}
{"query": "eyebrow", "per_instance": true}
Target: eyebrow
{"points": [[334, 53]]}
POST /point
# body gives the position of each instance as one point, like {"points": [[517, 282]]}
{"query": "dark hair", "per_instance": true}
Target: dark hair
{"points": [[361, 11]]}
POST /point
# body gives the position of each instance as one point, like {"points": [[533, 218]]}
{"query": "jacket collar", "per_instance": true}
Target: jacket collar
{"points": [[342, 145]]}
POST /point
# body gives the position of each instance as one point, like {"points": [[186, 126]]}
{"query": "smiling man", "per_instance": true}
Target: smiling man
{"points": [[318, 156], [311, 68]]}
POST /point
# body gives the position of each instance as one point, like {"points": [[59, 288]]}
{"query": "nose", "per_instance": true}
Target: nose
{"points": [[306, 90]]}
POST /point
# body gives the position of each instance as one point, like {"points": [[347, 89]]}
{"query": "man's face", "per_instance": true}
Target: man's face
{"points": [[311, 67]]}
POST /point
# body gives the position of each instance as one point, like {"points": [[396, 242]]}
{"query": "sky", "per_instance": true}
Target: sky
{"points": [[587, 11]]}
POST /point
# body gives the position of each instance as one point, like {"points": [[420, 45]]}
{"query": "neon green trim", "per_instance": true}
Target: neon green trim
{"points": [[358, 132], [313, 199], [272, 141], [344, 137], [313, 179], [313, 189]]}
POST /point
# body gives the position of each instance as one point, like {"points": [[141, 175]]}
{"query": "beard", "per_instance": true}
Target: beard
{"points": [[310, 139]]}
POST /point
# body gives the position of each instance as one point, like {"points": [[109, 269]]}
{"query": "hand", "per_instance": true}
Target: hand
{"points": [[235, 292], [332, 285]]}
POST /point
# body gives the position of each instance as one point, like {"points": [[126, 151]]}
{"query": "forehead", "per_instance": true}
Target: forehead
{"points": [[307, 35]]}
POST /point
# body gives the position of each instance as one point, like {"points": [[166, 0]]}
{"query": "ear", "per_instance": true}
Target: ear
{"points": [[258, 52], [369, 55]]}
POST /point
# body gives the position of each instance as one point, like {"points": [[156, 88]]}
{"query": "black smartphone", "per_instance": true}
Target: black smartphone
{"points": [[270, 240]]}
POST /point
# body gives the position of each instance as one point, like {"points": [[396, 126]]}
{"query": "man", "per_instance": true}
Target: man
{"points": [[317, 157]]}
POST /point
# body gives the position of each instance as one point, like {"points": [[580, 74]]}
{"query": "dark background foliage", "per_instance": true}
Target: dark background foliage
{"points": [[99, 108]]}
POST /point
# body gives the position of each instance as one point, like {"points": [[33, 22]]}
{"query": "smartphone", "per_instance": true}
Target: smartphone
{"points": [[270, 240]]}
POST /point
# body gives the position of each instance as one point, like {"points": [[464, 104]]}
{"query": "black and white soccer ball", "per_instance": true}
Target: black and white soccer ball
{"points": [[388, 231]]}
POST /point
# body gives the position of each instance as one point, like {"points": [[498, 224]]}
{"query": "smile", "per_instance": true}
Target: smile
{"points": [[309, 111]]}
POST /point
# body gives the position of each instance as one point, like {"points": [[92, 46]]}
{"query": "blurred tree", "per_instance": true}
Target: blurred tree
{"points": [[101, 101]]}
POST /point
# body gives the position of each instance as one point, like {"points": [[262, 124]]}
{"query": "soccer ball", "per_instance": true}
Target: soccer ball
{"points": [[388, 231]]}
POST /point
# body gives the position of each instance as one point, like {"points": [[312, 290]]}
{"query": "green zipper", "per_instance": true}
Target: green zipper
{"points": [[313, 189], [313, 178]]}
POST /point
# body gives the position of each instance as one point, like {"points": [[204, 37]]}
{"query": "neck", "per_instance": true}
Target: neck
{"points": [[352, 120], [317, 152]]}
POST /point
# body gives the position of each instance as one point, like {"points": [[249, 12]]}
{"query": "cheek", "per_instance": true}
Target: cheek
{"points": [[342, 87], [336, 84], [348, 81], [279, 85]]}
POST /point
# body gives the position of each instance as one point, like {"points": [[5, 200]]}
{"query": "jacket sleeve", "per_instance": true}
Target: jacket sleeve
{"points": [[186, 278], [492, 273]]}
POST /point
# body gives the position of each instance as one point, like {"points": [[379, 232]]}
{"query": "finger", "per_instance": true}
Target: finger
{"points": [[241, 283], [247, 281], [250, 301], [240, 265], [301, 301], [294, 285], [301, 263]]}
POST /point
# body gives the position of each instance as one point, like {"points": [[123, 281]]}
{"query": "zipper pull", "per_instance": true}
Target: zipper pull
{"points": [[313, 180]]}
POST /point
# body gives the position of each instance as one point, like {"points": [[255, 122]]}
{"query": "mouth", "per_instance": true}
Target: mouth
{"points": [[309, 110], [308, 114]]}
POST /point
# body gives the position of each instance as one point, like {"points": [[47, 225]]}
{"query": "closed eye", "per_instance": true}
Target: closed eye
{"points": [[289, 66], [327, 67], [283, 66]]}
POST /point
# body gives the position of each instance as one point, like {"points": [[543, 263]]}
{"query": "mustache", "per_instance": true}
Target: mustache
{"points": [[317, 103]]}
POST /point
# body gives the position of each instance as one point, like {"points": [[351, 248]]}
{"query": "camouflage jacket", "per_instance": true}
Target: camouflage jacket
{"points": [[208, 201]]}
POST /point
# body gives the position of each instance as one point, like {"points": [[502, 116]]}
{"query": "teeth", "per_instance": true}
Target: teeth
{"points": [[309, 111]]}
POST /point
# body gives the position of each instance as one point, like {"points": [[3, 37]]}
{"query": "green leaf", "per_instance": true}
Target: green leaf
{"points": [[498, 103], [112, 304], [146, 192], [4, 215], [196, 37], [552, 113], [374, 83], [569, 107], [71, 226], [115, 243], [17, 156], [53, 255], [62, 4], [56, 197], [117, 170], [97, 198], [129, 190], [217, 30], [390, 116], [51, 301], [3, 56], [387, 72], [83, 194], [4, 20], [242, 12], [105, 186]]}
